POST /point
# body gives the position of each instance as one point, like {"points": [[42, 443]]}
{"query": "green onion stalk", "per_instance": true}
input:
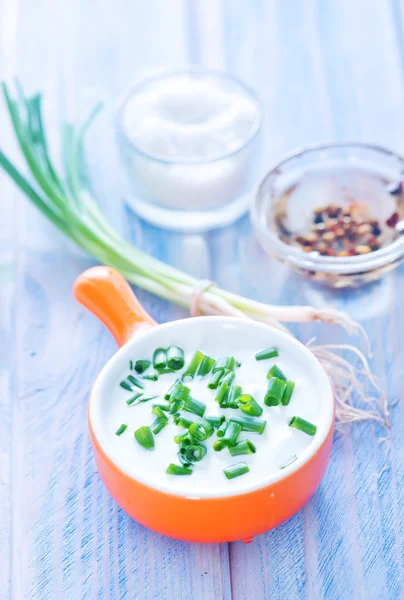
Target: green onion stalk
{"points": [[65, 199]]}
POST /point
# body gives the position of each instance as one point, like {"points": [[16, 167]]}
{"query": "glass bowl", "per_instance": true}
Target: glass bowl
{"points": [[333, 173], [184, 174]]}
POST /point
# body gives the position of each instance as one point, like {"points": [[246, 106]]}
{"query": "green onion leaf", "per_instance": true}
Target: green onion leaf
{"points": [[275, 390], [236, 470], [171, 391], [156, 410], [121, 429], [233, 430], [177, 470], [268, 353], [152, 377], [244, 447], [175, 358], [141, 366], [158, 424], [193, 452], [194, 406], [289, 462], [276, 372], [215, 379], [193, 365], [201, 430], [222, 394], [165, 407], [222, 429], [225, 362], [216, 421], [205, 366], [249, 405], [234, 394], [134, 398], [218, 445], [135, 381], [182, 422], [303, 425], [250, 424], [287, 393], [159, 359], [144, 437]]}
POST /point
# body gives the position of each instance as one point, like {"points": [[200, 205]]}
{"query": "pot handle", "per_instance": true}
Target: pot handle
{"points": [[107, 294]]}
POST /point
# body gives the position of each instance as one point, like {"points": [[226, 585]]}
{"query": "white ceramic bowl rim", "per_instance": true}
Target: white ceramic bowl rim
{"points": [[350, 265], [166, 73], [126, 352]]}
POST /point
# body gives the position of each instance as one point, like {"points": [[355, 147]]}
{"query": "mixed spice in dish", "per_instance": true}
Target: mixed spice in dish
{"points": [[197, 433]]}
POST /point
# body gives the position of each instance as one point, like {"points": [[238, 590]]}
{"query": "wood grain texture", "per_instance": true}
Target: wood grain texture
{"points": [[324, 70]]}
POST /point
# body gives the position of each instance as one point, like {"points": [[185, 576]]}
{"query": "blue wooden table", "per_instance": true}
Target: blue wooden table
{"points": [[324, 70]]}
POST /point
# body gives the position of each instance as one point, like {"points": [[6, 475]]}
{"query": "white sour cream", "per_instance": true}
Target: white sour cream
{"points": [[215, 336]]}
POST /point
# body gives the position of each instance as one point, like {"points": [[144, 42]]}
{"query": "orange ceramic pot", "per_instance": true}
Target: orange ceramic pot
{"points": [[239, 516]]}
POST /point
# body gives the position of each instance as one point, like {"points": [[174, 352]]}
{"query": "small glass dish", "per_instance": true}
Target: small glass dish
{"points": [[183, 173], [338, 174]]}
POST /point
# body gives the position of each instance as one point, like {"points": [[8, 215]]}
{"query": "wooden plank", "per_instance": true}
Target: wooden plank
{"points": [[76, 542]]}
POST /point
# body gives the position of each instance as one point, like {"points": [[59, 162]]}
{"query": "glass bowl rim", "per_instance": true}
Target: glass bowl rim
{"points": [[326, 264], [191, 70]]}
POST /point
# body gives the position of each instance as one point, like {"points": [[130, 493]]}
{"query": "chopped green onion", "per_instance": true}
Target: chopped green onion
{"points": [[250, 424], [215, 379], [218, 445], [175, 358], [244, 447], [236, 470], [131, 365], [171, 391], [177, 470], [158, 424], [233, 404], [275, 391], [185, 439], [121, 429], [176, 406], [165, 407], [193, 452], [182, 422], [194, 406], [303, 425], [234, 393], [159, 359], [145, 437], [135, 381], [233, 430], [165, 371], [276, 372], [184, 461], [222, 429], [201, 430], [134, 398], [249, 405], [131, 383], [289, 462], [268, 353], [216, 421], [205, 366], [156, 410], [180, 394], [228, 377], [193, 365], [287, 393], [141, 366], [225, 362], [222, 394], [152, 377]]}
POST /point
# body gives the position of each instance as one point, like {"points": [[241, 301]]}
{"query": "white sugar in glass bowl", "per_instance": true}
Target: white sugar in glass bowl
{"points": [[190, 144]]}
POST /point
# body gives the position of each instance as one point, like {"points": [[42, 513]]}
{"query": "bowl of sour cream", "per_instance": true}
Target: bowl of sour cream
{"points": [[207, 429]]}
